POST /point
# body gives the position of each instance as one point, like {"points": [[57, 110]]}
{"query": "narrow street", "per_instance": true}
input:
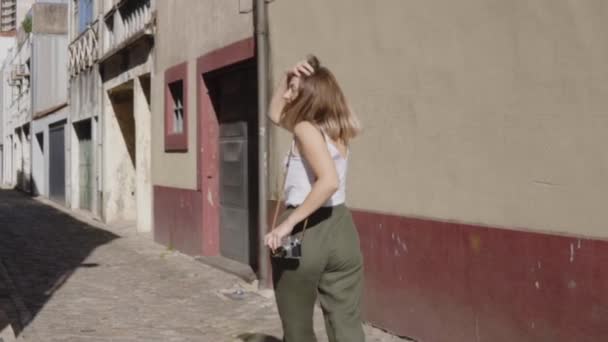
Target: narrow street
{"points": [[64, 278]]}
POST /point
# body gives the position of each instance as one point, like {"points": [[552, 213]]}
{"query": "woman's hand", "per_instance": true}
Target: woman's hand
{"points": [[277, 103], [274, 239], [302, 68]]}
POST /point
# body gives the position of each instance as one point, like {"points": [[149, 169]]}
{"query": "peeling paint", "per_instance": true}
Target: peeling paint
{"points": [[537, 284], [545, 183], [579, 244], [475, 242], [210, 197], [477, 328], [572, 284], [539, 265], [571, 252]]}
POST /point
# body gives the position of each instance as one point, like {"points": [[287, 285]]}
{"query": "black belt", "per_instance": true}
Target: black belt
{"points": [[318, 216]]}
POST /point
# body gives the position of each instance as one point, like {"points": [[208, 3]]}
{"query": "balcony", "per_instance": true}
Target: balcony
{"points": [[127, 23], [22, 109], [8, 20], [8, 10], [20, 71], [84, 50]]}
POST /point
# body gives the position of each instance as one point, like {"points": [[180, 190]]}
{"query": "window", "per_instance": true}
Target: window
{"points": [[177, 98], [84, 10], [176, 109]]}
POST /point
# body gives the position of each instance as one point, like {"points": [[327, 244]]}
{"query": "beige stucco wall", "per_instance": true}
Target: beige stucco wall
{"points": [[50, 18], [183, 34], [143, 186], [120, 181], [490, 112]]}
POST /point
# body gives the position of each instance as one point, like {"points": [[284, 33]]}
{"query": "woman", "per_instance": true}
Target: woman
{"points": [[309, 103]]}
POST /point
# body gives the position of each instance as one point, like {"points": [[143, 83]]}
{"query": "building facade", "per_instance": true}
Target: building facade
{"points": [[11, 16], [8, 17], [125, 67], [12, 13], [110, 67], [84, 89], [17, 115], [6, 147], [479, 181], [204, 105], [48, 70], [476, 185], [18, 45]]}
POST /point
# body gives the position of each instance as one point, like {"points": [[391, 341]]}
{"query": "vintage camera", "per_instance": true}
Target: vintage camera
{"points": [[290, 249]]}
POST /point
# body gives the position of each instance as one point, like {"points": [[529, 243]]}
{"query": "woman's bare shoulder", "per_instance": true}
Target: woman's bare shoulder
{"points": [[307, 130]]}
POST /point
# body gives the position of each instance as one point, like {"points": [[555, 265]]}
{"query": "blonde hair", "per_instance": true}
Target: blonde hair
{"points": [[321, 102]]}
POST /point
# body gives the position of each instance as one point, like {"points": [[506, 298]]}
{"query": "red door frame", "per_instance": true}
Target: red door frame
{"points": [[208, 139]]}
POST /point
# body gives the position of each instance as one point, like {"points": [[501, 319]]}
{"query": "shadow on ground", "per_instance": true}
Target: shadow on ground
{"points": [[40, 248], [248, 337]]}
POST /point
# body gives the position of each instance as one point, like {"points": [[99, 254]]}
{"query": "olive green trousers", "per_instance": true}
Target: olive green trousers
{"points": [[330, 269]]}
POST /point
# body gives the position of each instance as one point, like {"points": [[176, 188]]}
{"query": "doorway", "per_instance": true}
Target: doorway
{"points": [[85, 164], [57, 163], [233, 93]]}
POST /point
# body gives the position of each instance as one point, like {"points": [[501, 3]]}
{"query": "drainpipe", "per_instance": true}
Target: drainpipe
{"points": [[262, 64]]}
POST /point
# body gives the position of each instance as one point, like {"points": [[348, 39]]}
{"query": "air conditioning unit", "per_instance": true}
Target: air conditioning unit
{"points": [[14, 75], [21, 70]]}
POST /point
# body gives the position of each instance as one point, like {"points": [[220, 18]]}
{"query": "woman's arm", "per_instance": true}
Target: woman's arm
{"points": [[277, 103], [313, 148]]}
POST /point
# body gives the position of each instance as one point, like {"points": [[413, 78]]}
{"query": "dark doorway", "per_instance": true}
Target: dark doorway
{"points": [[38, 171], [85, 164], [233, 92], [57, 163]]}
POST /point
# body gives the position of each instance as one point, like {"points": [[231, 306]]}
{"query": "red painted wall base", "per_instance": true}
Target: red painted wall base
{"points": [[439, 281], [442, 281], [178, 219]]}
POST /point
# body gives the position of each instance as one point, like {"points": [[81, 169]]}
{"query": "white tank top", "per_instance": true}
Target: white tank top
{"points": [[300, 177]]}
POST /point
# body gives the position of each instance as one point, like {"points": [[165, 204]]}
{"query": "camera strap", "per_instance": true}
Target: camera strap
{"points": [[280, 196]]}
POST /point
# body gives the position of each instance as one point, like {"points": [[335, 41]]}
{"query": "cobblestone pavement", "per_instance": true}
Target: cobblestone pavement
{"points": [[67, 278]]}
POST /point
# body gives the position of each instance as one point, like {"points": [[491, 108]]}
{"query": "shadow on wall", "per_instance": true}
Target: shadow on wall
{"points": [[40, 248], [24, 182], [36, 191], [122, 104]]}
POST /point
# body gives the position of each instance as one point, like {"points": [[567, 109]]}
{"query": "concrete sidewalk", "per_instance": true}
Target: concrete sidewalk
{"points": [[79, 280]]}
